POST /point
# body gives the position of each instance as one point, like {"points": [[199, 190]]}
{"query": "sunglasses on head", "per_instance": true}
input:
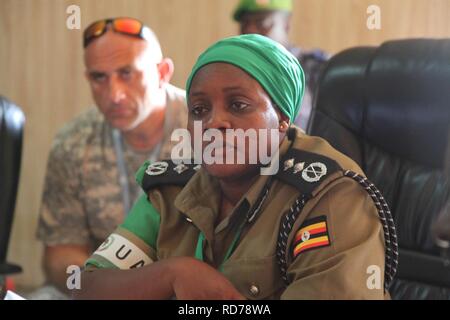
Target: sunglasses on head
{"points": [[127, 26]]}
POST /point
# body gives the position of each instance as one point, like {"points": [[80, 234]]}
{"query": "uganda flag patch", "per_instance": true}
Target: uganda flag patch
{"points": [[312, 234]]}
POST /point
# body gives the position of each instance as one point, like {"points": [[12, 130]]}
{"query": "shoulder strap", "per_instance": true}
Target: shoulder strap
{"points": [[151, 175], [305, 170]]}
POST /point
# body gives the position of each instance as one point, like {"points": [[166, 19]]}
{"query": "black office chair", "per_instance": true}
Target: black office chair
{"points": [[388, 108], [11, 130]]}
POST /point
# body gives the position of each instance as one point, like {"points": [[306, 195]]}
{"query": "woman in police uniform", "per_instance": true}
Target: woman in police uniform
{"points": [[311, 230]]}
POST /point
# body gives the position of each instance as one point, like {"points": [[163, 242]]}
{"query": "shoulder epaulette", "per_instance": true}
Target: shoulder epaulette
{"points": [[165, 172], [305, 170]]}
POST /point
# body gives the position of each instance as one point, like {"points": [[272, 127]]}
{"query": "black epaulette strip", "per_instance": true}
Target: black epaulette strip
{"points": [[305, 170], [168, 173]]}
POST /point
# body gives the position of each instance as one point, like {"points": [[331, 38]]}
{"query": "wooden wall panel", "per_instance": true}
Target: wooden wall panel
{"points": [[41, 66], [338, 24]]}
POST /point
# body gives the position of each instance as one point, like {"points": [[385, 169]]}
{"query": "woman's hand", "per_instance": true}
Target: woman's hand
{"points": [[196, 280]]}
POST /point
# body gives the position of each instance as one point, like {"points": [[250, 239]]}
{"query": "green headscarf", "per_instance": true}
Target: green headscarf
{"points": [[261, 5], [267, 61]]}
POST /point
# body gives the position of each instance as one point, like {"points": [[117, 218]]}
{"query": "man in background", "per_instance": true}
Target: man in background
{"points": [[89, 185], [272, 18]]}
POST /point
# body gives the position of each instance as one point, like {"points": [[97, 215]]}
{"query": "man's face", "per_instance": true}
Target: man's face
{"points": [[124, 78], [272, 24], [223, 97]]}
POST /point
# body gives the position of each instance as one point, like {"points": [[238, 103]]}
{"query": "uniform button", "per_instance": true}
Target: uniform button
{"points": [[254, 290]]}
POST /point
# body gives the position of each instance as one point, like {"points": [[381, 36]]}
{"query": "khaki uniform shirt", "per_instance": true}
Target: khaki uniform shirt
{"points": [[340, 212], [82, 201]]}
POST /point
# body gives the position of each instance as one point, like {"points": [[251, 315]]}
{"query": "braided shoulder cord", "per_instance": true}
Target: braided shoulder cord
{"points": [[390, 235], [287, 223]]}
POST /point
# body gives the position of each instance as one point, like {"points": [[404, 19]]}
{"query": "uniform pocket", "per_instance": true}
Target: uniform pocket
{"points": [[255, 278]]}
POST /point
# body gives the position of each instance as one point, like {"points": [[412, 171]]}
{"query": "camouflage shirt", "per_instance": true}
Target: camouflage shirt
{"points": [[83, 200], [312, 63]]}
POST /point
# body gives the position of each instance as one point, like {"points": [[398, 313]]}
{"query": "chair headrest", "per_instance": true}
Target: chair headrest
{"points": [[396, 96]]}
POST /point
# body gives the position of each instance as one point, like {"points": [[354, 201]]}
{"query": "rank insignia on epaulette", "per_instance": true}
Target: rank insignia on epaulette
{"points": [[157, 168], [166, 173], [180, 168], [314, 171], [305, 170], [312, 234]]}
